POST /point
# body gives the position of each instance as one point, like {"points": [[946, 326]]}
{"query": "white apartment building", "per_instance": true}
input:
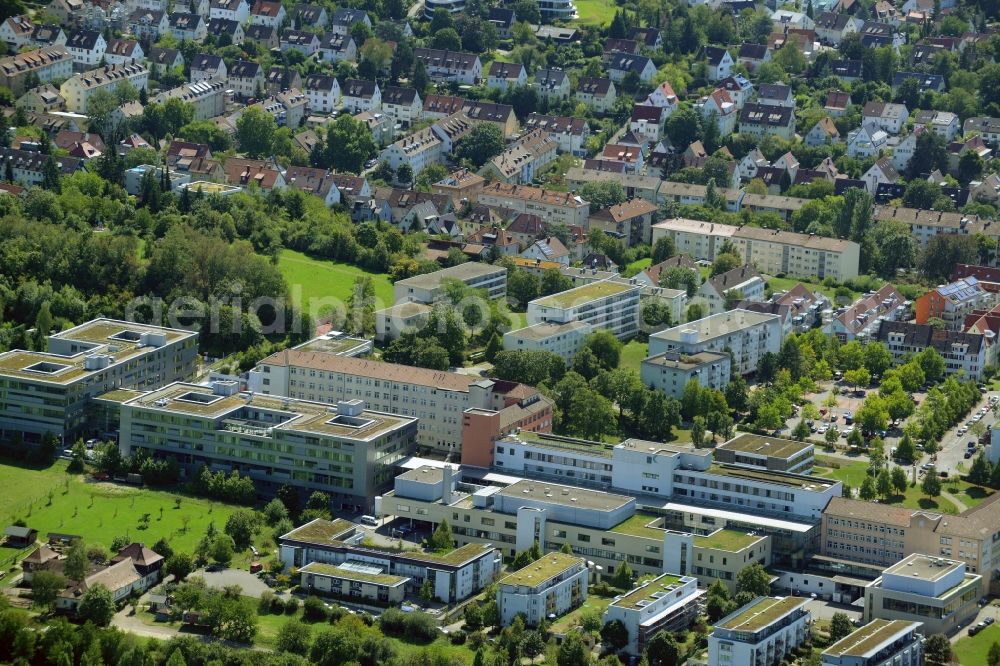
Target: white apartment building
{"points": [[666, 603], [762, 632], [246, 79], [87, 48], [747, 335], [323, 93], [609, 304], [771, 251], [671, 371], [431, 287], [935, 591], [878, 643], [207, 97], [419, 150], [233, 10], [550, 586], [562, 339], [967, 353], [556, 207], [742, 283], [454, 576], [77, 89], [50, 391]]}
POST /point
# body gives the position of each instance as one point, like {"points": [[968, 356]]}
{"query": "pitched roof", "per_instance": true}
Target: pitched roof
{"points": [[446, 104], [359, 88], [593, 86], [505, 70], [767, 114], [243, 69], [82, 39], [921, 336], [720, 283], [557, 124], [399, 96], [753, 51]]}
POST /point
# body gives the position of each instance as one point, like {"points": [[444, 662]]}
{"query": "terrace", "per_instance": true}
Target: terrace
{"points": [[773, 447], [540, 571], [584, 294], [790, 480], [868, 638], [732, 541], [649, 592], [761, 614], [641, 525], [353, 574]]}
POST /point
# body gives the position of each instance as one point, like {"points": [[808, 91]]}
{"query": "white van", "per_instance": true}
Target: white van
{"points": [[369, 520]]}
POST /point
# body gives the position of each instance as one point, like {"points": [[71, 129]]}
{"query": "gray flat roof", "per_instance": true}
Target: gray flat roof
{"points": [[673, 359], [716, 325], [566, 495], [774, 447], [924, 567], [545, 329], [467, 271]]}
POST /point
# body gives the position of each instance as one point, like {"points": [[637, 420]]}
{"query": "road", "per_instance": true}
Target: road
{"points": [[953, 446], [413, 11]]}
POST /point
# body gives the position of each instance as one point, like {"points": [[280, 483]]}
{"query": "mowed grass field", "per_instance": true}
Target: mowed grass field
{"points": [[99, 512], [595, 12], [975, 650], [310, 278]]}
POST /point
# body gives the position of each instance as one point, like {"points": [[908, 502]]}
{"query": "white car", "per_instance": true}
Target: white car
{"points": [[821, 430], [962, 430]]}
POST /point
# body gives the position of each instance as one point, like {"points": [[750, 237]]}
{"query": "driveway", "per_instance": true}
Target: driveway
{"points": [[824, 610], [252, 586]]}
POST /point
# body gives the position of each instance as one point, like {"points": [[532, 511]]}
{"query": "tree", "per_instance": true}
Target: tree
{"points": [[801, 431], [255, 129], [97, 605], [899, 480], [623, 576], [943, 251], [527, 10], [932, 363], [678, 277], [883, 484], [50, 175], [615, 634], [754, 580], [179, 565], [76, 564], [695, 311], [484, 142], [857, 377], [663, 249], [698, 430], [725, 262], [602, 194], [931, 485], [241, 526], [831, 437], [349, 144], [877, 358], [937, 650], [404, 174], [441, 539], [222, 550], [930, 153], [421, 79], [523, 286], [868, 491], [840, 626], [663, 650], [683, 128], [45, 587], [605, 347], [294, 637], [981, 470], [573, 652]]}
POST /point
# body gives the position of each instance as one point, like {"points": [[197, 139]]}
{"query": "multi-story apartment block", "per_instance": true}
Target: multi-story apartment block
{"points": [[548, 587], [665, 603], [418, 150], [323, 93], [937, 592], [571, 133], [123, 51], [246, 79], [744, 334], [556, 207], [48, 64], [770, 250], [335, 47], [609, 304], [597, 93], [863, 318], [233, 10], [346, 451], [208, 67], [146, 24], [440, 400], [521, 160], [988, 128], [762, 632], [432, 287], [87, 48], [967, 353], [952, 302], [207, 97], [361, 95], [726, 289], [458, 66], [403, 105], [562, 339], [671, 371], [552, 84], [926, 224], [760, 120], [28, 166], [16, 31], [878, 643], [78, 89], [454, 576], [183, 25], [49, 392]]}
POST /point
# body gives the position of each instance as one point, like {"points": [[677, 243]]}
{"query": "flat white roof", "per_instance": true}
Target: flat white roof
{"points": [[757, 519]]}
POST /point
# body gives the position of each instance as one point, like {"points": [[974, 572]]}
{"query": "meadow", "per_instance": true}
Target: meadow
{"points": [[311, 278]]}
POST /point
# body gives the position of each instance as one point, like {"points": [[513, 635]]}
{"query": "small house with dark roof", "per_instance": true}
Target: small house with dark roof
{"points": [[619, 65], [164, 58], [228, 29], [847, 70], [308, 15], [344, 18], [306, 43], [17, 536], [335, 47], [264, 36], [504, 76], [597, 93], [720, 62], [503, 19]]}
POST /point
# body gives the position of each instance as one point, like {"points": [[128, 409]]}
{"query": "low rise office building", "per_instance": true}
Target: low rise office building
{"points": [[432, 287], [771, 453], [935, 591], [454, 576], [543, 590], [50, 391], [347, 451], [354, 581]]}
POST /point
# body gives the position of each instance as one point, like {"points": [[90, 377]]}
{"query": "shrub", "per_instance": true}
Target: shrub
{"points": [[291, 606], [314, 610], [458, 638], [264, 604], [277, 605], [392, 621], [420, 627]]}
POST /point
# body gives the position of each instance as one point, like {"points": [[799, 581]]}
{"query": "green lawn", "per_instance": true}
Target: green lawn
{"points": [[850, 472], [593, 603], [969, 494], [633, 354], [595, 12], [973, 651], [99, 512], [636, 266], [310, 278]]}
